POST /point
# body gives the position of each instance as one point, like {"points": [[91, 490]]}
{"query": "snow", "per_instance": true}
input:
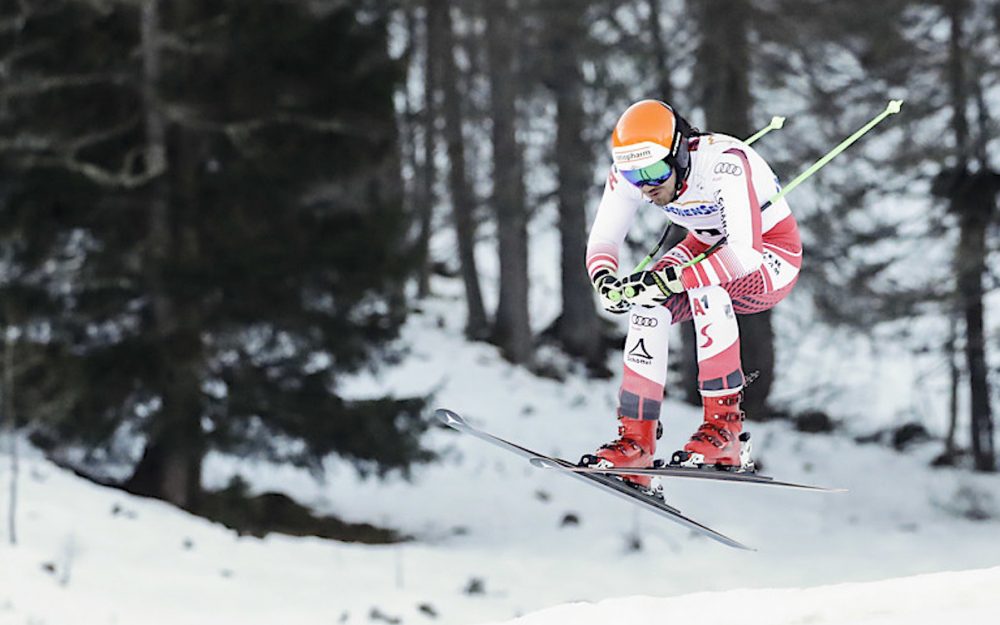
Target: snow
{"points": [[954, 597], [907, 543], [483, 517]]}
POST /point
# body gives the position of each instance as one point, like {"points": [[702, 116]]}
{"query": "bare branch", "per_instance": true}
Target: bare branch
{"points": [[36, 85], [121, 179], [29, 142], [25, 50], [95, 138], [241, 130]]}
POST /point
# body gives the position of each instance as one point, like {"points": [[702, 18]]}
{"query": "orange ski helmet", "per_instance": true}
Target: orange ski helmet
{"points": [[650, 131]]}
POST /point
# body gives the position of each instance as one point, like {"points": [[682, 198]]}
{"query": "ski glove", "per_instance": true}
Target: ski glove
{"points": [[651, 288], [609, 288]]}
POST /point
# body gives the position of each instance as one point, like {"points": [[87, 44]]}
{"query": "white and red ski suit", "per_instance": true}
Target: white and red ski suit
{"points": [[753, 270]]}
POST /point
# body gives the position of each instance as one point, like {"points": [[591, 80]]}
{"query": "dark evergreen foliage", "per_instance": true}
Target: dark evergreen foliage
{"points": [[281, 259]]}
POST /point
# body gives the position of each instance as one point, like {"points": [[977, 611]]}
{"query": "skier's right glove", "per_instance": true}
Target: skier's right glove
{"points": [[651, 288], [609, 288]]}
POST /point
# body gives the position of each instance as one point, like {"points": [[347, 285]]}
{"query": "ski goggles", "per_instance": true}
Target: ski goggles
{"points": [[655, 174]]}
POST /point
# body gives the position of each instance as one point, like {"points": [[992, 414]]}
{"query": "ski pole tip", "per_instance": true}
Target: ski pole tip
{"points": [[894, 106], [777, 122]]}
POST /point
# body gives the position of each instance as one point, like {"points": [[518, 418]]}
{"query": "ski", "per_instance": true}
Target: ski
{"points": [[708, 473], [606, 483]]}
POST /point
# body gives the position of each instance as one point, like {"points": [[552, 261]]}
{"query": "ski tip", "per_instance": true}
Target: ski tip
{"points": [[449, 418], [726, 540], [813, 489]]}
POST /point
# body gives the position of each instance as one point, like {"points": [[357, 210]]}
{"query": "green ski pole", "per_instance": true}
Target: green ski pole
{"points": [[892, 108]]}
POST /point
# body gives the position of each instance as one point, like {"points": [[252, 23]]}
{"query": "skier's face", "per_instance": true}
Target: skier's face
{"points": [[661, 194]]}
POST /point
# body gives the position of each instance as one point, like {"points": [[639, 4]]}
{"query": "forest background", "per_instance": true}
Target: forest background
{"points": [[211, 213]]}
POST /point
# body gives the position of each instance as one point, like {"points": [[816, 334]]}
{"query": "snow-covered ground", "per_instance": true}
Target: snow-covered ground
{"points": [[496, 538], [965, 597]]}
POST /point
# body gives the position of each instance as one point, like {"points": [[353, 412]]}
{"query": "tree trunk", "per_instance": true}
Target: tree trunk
{"points": [[10, 422], [428, 171], [664, 90], [512, 331], [170, 467], [955, 378], [725, 73], [408, 121], [462, 200], [578, 328], [579, 321], [976, 206], [724, 66], [972, 198], [956, 10]]}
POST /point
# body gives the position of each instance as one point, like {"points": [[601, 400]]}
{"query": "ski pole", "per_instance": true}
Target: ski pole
{"points": [[775, 124], [892, 108]]}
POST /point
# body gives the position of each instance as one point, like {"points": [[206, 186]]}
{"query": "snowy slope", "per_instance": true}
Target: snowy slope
{"points": [[962, 597], [485, 519]]}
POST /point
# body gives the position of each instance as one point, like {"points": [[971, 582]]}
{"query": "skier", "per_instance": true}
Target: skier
{"points": [[714, 186]]}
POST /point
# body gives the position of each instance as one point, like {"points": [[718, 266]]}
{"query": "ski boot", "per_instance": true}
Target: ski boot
{"points": [[720, 440], [634, 447]]}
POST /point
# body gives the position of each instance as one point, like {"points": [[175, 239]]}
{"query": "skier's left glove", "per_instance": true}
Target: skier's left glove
{"points": [[651, 288], [609, 288]]}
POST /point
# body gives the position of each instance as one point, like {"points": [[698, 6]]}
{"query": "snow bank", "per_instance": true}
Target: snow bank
{"points": [[497, 538], [954, 597]]}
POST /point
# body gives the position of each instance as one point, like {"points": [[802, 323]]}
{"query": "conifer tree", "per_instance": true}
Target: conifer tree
{"points": [[205, 232]]}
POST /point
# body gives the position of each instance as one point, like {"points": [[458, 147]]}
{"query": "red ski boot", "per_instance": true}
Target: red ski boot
{"points": [[634, 447], [720, 440]]}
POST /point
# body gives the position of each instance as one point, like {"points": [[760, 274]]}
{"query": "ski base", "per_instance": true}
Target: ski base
{"points": [[705, 473]]}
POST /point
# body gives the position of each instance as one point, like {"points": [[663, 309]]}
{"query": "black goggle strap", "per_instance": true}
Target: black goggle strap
{"points": [[679, 159]]}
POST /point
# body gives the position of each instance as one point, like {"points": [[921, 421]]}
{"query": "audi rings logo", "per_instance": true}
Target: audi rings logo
{"points": [[728, 168], [645, 322]]}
